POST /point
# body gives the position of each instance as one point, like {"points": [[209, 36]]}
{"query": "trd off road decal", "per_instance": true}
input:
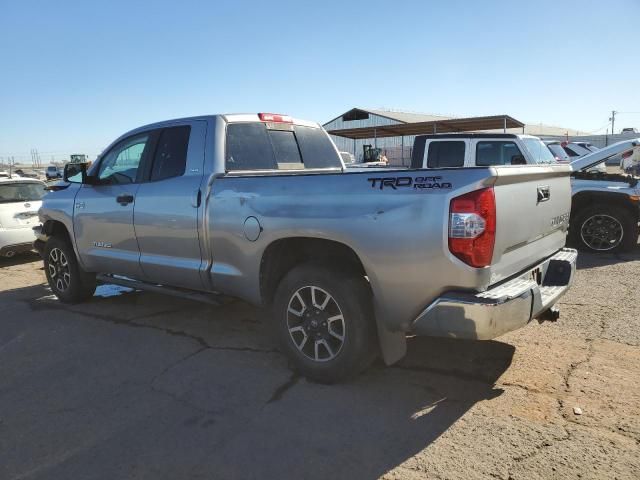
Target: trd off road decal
{"points": [[418, 183]]}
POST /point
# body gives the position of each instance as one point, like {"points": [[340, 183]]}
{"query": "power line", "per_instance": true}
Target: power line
{"points": [[613, 121]]}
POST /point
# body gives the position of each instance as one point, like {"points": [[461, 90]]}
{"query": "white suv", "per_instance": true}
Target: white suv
{"points": [[52, 172], [20, 199]]}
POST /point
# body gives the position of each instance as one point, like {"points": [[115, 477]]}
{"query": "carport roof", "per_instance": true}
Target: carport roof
{"points": [[451, 125]]}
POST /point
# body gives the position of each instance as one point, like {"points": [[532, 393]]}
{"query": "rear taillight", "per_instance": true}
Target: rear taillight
{"points": [[275, 118], [627, 154], [472, 227]]}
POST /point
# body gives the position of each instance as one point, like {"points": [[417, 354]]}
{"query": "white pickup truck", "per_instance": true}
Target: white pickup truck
{"points": [[458, 150], [605, 207]]}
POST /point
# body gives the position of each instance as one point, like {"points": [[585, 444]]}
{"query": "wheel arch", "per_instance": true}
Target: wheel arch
{"points": [[280, 256], [53, 227], [283, 254], [56, 228], [583, 200], [628, 213]]}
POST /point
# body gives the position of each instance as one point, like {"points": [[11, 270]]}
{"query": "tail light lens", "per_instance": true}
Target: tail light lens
{"points": [[472, 227], [627, 154]]}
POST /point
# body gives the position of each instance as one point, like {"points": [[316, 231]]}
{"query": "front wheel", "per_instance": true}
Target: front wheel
{"points": [[324, 322], [605, 228], [66, 278]]}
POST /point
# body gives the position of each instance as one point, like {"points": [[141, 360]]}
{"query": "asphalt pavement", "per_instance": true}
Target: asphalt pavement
{"points": [[136, 385]]}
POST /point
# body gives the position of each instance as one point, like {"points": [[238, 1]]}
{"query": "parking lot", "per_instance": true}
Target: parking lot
{"points": [[139, 385]]}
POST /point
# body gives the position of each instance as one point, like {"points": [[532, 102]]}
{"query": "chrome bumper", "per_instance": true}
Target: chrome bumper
{"points": [[506, 307]]}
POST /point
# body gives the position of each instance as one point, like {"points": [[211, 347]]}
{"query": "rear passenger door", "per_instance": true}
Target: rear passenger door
{"points": [[168, 208]]}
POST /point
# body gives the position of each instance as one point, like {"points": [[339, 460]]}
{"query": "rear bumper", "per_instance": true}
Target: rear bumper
{"points": [[506, 307]]}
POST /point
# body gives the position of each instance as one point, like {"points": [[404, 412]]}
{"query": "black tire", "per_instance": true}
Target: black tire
{"points": [[351, 296], [604, 229], [66, 278]]}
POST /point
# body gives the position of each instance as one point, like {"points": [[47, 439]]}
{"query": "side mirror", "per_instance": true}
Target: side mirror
{"points": [[518, 160], [75, 173]]}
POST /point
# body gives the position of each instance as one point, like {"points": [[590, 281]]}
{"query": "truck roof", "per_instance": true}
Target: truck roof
{"points": [[228, 117], [474, 135]]}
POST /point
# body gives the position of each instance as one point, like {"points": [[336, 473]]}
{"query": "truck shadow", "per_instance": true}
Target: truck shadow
{"points": [[20, 259], [230, 407], [588, 260]]}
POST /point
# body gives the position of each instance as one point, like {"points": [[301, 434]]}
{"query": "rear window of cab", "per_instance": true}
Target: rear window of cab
{"points": [[263, 146]]}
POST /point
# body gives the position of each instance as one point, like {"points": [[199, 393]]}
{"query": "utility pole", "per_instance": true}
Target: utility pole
{"points": [[613, 122]]}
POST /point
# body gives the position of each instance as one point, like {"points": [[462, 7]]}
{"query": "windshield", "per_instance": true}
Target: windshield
{"points": [[538, 150], [21, 192]]}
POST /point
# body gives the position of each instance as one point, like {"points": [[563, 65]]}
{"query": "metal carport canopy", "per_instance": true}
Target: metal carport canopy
{"points": [[470, 124]]}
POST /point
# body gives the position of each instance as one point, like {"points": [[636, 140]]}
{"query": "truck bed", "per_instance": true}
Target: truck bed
{"points": [[395, 219]]}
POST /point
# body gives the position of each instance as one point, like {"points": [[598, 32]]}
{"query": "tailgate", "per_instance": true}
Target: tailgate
{"points": [[533, 204]]}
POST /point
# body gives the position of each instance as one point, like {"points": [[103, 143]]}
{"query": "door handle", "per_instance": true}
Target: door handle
{"points": [[124, 199], [196, 198], [544, 193]]}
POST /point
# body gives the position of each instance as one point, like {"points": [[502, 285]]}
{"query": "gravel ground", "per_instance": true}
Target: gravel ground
{"points": [[137, 385]]}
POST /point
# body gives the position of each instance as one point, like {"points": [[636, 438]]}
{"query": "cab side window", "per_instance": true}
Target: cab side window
{"points": [[497, 152], [170, 159], [443, 154], [122, 164]]}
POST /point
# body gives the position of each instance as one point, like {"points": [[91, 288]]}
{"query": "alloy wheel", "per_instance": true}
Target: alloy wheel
{"points": [[316, 323], [601, 232], [58, 266]]}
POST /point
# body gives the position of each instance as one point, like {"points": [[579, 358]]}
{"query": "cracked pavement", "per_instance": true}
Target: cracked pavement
{"points": [[139, 385]]}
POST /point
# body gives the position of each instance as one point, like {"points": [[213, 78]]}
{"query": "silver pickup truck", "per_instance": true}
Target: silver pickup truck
{"points": [[261, 207]]}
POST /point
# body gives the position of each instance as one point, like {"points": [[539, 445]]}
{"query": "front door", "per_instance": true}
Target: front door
{"points": [[103, 213]]}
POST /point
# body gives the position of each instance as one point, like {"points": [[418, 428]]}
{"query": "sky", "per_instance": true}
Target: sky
{"points": [[75, 75]]}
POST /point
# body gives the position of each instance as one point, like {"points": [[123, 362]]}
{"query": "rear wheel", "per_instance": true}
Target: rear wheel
{"points": [[66, 278], [324, 322], [605, 228]]}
